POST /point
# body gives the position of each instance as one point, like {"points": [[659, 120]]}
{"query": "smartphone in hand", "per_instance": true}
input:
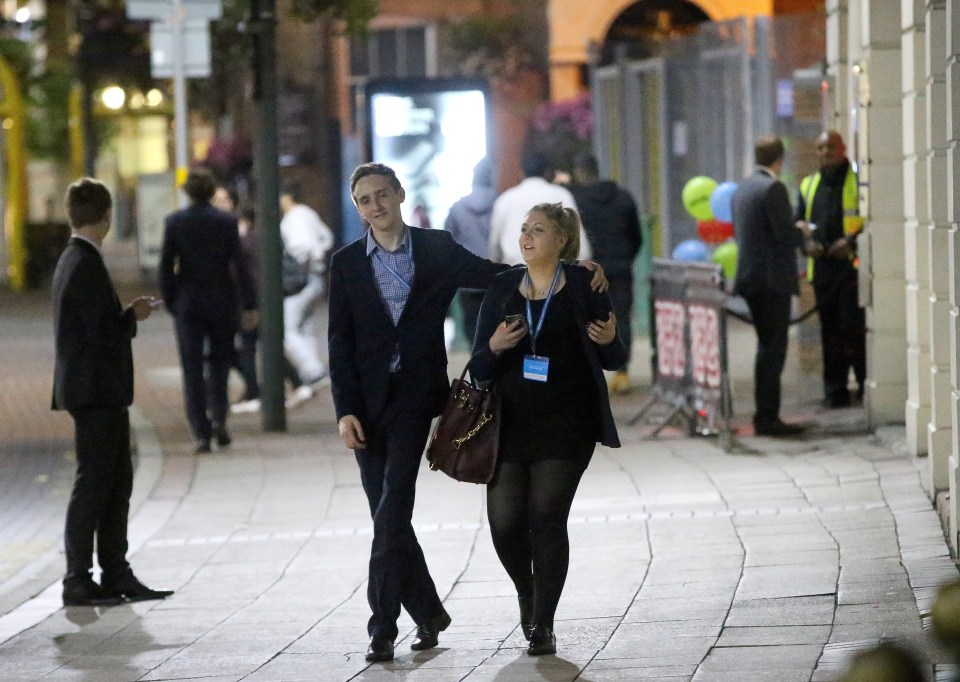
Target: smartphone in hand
{"points": [[510, 319]]}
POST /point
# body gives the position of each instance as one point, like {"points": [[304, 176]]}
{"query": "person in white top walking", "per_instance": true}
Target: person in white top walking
{"points": [[308, 239], [512, 206]]}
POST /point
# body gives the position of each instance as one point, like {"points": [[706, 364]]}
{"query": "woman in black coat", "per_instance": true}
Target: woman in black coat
{"points": [[544, 339]]}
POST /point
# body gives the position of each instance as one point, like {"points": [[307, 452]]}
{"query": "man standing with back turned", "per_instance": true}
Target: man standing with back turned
{"points": [[389, 294], [767, 242], [93, 381]]}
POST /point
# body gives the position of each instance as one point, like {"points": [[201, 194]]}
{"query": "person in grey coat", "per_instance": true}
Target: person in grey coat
{"points": [[767, 242], [469, 223]]}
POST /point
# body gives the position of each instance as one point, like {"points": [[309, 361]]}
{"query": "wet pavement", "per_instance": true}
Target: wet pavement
{"points": [[777, 561]]}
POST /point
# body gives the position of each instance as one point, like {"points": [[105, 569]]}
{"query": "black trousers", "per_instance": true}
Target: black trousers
{"points": [[245, 362], [388, 471], [100, 500], [621, 295], [843, 335], [205, 393], [771, 320]]}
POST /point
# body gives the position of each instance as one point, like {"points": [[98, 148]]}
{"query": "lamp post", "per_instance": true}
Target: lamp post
{"points": [[262, 15]]}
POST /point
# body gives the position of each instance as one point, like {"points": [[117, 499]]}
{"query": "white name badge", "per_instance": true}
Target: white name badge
{"points": [[535, 368]]}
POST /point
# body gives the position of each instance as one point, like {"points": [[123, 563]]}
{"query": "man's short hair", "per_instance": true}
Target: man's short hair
{"points": [[365, 169], [291, 188], [587, 163], [200, 184], [87, 202], [768, 150], [534, 164]]}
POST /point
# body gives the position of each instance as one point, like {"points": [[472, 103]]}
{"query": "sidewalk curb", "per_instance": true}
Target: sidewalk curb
{"points": [[36, 587]]}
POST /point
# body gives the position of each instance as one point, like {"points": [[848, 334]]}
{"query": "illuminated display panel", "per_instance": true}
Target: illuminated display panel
{"points": [[432, 133]]}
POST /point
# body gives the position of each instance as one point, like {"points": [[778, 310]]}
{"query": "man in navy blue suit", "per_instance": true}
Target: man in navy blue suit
{"points": [[93, 381], [204, 284], [389, 295]]}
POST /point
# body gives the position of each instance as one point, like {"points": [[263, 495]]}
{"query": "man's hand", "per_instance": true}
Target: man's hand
{"points": [[804, 227], [603, 332], [599, 281], [351, 432], [506, 336], [840, 249], [142, 306], [249, 320], [812, 248]]}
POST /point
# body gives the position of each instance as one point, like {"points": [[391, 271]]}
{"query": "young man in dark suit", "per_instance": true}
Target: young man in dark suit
{"points": [[767, 242], [389, 294], [203, 283], [93, 381]]}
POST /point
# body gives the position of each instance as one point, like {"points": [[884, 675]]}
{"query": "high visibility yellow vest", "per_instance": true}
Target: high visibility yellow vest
{"points": [[852, 222]]}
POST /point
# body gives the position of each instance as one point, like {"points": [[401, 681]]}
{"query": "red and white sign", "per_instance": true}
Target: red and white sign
{"points": [[671, 354], [705, 345]]}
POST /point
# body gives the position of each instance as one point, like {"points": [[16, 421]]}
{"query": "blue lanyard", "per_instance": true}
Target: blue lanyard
{"points": [[393, 272], [543, 313]]}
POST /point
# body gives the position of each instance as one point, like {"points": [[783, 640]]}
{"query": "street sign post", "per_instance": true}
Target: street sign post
{"points": [[195, 52]]}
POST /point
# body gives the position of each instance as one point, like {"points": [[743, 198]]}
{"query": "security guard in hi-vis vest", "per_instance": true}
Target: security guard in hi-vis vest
{"points": [[829, 205]]}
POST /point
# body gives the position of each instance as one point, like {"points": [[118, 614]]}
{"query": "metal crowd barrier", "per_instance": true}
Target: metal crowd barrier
{"points": [[688, 332]]}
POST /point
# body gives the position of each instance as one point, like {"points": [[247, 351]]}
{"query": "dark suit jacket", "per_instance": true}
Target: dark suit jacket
{"points": [[201, 272], [589, 305], [362, 335], [767, 239], [94, 363]]}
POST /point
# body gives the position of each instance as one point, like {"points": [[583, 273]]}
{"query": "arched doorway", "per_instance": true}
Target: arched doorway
{"points": [[640, 30]]}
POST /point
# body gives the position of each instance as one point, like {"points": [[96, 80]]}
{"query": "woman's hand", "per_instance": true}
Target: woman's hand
{"points": [[507, 336], [603, 332], [599, 282]]}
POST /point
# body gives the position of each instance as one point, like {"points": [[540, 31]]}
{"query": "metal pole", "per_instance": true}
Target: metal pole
{"points": [[268, 215], [179, 99]]}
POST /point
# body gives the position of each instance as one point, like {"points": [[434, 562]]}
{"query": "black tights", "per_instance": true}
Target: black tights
{"points": [[527, 507]]}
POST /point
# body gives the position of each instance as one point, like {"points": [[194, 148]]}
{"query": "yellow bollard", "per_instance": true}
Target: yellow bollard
{"points": [[15, 221]]}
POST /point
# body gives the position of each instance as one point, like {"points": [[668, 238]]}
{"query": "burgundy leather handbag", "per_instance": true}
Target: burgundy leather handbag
{"points": [[466, 439]]}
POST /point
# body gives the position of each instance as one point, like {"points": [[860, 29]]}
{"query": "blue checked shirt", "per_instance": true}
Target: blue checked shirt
{"points": [[393, 271]]}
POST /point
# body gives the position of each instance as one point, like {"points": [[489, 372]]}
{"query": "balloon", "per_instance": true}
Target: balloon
{"points": [[696, 196], [691, 250], [721, 201], [725, 256], [714, 231]]}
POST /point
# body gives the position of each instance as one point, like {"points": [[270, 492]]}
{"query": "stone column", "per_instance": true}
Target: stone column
{"points": [[916, 218], [952, 26], [880, 165], [940, 433]]}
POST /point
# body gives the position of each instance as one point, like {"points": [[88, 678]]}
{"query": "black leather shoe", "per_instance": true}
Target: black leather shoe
{"points": [[777, 428], [428, 634], [223, 438], [542, 641], [380, 650], [88, 594], [132, 589], [203, 445], [526, 615]]}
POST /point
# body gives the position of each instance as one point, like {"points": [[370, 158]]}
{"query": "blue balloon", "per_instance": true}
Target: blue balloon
{"points": [[691, 250], [721, 201]]}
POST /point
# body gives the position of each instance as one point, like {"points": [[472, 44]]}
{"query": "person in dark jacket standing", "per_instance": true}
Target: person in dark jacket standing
{"points": [[93, 381], [610, 219], [469, 223], [767, 243], [203, 283]]}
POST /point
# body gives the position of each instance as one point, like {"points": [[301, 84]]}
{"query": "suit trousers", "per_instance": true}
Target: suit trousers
{"points": [[843, 335], [100, 500], [771, 320], [203, 390], [388, 471]]}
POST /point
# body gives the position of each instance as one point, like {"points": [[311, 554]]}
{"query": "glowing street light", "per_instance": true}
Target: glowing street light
{"points": [[113, 97]]}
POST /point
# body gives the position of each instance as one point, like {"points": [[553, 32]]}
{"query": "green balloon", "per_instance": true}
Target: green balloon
{"points": [[725, 256], [696, 197]]}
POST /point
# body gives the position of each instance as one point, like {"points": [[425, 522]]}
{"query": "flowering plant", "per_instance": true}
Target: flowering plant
{"points": [[563, 129]]}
